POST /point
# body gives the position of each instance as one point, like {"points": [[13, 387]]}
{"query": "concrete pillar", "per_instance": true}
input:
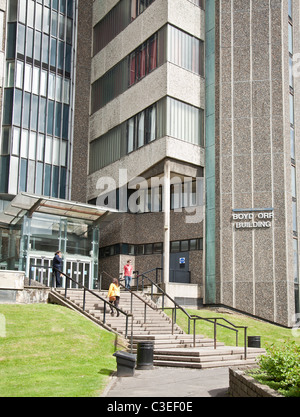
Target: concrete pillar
{"points": [[166, 207]]}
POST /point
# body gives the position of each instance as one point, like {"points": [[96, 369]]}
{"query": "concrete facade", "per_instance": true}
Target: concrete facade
{"points": [[253, 158], [184, 159]]}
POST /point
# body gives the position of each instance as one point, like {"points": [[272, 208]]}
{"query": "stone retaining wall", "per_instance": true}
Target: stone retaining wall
{"points": [[242, 385]]}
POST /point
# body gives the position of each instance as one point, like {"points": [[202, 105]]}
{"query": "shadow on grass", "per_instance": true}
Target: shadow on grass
{"points": [[105, 371]]}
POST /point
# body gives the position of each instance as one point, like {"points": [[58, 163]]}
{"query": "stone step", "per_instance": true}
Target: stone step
{"points": [[205, 365]]}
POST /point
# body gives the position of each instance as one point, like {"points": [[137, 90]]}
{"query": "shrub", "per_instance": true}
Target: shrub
{"points": [[282, 364]]}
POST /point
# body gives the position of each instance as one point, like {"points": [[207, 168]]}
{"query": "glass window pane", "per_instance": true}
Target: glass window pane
{"points": [[26, 110], [53, 52], [11, 41], [46, 20], [24, 144], [60, 55], [175, 246], [65, 127], [61, 31], [28, 78], [48, 150], [55, 178], [39, 179], [63, 182], [42, 115], [54, 21], [36, 80], [16, 141], [51, 86], [34, 112], [44, 77], [63, 154], [45, 49], [130, 135], [47, 182], [59, 83], [66, 97], [30, 13], [23, 175], [37, 46], [21, 40], [69, 30], [22, 12], [141, 129], [13, 175], [17, 107], [8, 100], [32, 145], [57, 122], [29, 43], [38, 16], [40, 147], [19, 75], [55, 152], [50, 117], [10, 74]]}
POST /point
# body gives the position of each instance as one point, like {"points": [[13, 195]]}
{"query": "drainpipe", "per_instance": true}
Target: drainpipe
{"points": [[166, 200]]}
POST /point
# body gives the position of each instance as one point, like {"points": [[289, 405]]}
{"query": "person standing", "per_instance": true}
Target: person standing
{"points": [[56, 267], [128, 274], [114, 295]]}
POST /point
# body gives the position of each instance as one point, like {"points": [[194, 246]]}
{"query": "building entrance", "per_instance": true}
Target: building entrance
{"points": [[40, 270], [80, 271]]}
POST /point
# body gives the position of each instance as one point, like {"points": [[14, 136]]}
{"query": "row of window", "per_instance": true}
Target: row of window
{"points": [[37, 113], [181, 49], [30, 145], [38, 48], [167, 117], [30, 176], [142, 198], [37, 81], [117, 20], [151, 248], [31, 11]]}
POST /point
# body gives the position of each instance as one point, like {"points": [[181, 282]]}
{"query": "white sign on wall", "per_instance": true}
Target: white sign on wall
{"points": [[261, 218]]}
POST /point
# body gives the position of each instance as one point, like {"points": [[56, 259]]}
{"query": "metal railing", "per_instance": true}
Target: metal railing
{"points": [[105, 302], [193, 318]]}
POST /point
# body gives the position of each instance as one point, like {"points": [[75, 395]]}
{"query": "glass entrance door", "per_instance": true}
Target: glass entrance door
{"points": [[40, 269], [80, 271]]}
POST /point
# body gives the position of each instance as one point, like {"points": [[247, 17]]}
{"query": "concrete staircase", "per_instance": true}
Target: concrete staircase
{"points": [[172, 350]]}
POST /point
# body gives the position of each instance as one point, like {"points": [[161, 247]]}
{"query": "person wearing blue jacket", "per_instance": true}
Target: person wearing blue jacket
{"points": [[56, 267]]}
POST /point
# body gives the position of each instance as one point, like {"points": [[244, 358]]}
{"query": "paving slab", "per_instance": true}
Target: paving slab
{"points": [[170, 382]]}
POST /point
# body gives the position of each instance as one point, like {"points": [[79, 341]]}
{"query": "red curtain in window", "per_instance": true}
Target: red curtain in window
{"points": [[132, 69], [142, 62], [153, 54]]}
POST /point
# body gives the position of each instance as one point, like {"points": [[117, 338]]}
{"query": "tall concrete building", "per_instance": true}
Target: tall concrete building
{"points": [[185, 89], [182, 120]]}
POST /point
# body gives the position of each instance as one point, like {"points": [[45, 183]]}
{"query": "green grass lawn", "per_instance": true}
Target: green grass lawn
{"points": [[269, 333], [51, 351]]}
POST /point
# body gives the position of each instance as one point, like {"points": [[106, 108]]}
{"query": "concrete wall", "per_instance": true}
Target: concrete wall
{"points": [[12, 289], [253, 160]]}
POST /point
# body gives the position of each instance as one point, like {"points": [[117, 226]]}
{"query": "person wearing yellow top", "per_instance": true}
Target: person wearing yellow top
{"points": [[114, 295]]}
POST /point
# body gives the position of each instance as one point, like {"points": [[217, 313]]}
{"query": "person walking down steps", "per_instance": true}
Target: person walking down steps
{"points": [[128, 274], [114, 295]]}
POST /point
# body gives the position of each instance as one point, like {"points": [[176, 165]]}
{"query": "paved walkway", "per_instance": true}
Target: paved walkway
{"points": [[171, 382]]}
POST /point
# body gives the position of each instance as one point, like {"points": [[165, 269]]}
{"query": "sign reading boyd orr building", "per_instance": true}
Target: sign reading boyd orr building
{"points": [[253, 218]]}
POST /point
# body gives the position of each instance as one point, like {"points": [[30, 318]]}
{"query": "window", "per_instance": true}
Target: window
{"points": [[185, 50], [117, 20], [166, 117], [182, 49]]}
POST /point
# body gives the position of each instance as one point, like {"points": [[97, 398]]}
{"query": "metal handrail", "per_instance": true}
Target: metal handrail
{"points": [[100, 298], [213, 320]]}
